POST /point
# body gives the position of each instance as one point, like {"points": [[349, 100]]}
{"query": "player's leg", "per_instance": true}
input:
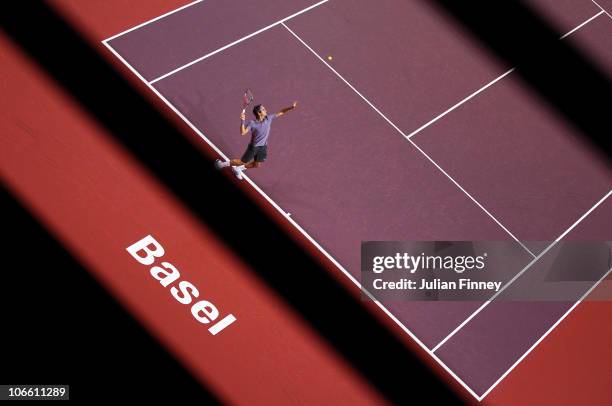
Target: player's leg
{"points": [[239, 163], [244, 161], [252, 158], [261, 153]]}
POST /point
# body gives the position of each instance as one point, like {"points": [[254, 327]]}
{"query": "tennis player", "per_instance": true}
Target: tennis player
{"points": [[257, 150]]}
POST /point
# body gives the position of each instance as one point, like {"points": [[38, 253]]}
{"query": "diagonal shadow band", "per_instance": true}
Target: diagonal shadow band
{"points": [[339, 318], [559, 73], [67, 328]]}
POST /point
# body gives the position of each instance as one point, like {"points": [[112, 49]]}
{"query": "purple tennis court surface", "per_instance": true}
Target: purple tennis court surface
{"points": [[411, 132]]}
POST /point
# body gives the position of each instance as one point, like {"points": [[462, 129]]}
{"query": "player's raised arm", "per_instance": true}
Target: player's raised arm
{"points": [[243, 128], [287, 109]]}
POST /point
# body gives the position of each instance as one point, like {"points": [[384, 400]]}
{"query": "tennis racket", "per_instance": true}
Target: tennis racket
{"points": [[247, 98]]}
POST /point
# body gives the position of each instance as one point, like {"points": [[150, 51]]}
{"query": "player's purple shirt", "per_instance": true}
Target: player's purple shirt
{"points": [[260, 130]]}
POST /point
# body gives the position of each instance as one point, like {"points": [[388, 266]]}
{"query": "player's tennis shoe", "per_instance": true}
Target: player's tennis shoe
{"points": [[237, 172], [219, 164]]}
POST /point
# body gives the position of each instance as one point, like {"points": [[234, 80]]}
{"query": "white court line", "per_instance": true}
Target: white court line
{"points": [[550, 246], [180, 68], [485, 304], [409, 140], [439, 116], [416, 146], [584, 23], [571, 309], [152, 20], [288, 218], [444, 172], [298, 227], [602, 9]]}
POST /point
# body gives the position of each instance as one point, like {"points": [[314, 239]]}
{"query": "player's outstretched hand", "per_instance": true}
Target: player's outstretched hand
{"points": [[295, 103]]}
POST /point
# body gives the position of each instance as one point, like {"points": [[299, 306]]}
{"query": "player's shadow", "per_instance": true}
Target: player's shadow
{"points": [[360, 338], [561, 74]]}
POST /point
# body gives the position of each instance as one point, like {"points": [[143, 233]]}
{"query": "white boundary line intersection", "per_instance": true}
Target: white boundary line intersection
{"points": [[303, 232]]}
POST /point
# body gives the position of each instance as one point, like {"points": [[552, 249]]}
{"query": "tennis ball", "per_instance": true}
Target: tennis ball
{"points": [[329, 58]]}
